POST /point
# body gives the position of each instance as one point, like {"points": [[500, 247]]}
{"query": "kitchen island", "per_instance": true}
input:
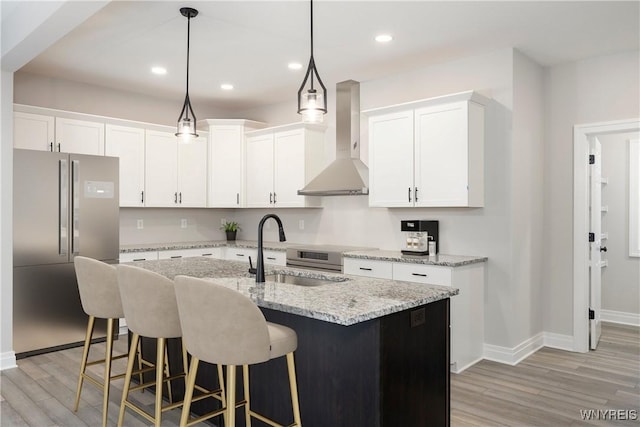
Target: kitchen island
{"points": [[371, 352]]}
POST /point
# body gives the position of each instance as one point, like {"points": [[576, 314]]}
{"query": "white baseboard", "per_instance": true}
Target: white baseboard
{"points": [[559, 341], [620, 317], [8, 360], [513, 356]]}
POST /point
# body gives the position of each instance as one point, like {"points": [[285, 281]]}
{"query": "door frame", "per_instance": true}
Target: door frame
{"points": [[581, 136]]}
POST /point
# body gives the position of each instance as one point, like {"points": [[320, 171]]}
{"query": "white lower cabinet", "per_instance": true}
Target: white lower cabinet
{"points": [[243, 254], [467, 308], [186, 253], [368, 268], [138, 256]]}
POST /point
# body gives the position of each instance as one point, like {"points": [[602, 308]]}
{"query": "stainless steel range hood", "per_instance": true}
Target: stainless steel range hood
{"points": [[347, 175]]}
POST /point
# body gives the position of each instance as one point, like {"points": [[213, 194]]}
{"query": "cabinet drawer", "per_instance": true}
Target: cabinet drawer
{"points": [[368, 268], [431, 274], [186, 253], [274, 257], [139, 256], [241, 254]]}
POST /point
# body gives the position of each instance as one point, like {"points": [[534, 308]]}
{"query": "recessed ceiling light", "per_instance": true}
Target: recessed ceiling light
{"points": [[383, 38], [161, 71], [226, 86], [295, 66]]}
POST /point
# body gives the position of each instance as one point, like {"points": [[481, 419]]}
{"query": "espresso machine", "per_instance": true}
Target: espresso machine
{"points": [[420, 237]]}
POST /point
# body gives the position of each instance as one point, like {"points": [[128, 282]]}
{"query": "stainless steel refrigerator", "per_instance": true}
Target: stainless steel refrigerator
{"points": [[63, 205]]}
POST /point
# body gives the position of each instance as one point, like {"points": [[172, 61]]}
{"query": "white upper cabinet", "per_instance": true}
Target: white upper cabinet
{"points": [[175, 173], [280, 161], [80, 136], [127, 143], [50, 133], [33, 131], [227, 161], [428, 153]]}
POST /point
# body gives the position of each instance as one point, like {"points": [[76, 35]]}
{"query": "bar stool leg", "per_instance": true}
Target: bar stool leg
{"points": [[85, 356], [135, 341], [139, 353], [245, 385], [188, 396], [223, 393], [293, 386], [231, 396], [107, 372], [159, 377]]}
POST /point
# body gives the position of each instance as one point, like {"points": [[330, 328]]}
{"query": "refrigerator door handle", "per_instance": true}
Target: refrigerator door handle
{"points": [[75, 205], [63, 207]]}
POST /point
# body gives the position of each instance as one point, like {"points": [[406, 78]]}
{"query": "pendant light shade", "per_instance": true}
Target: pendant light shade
{"points": [[187, 119], [312, 99]]}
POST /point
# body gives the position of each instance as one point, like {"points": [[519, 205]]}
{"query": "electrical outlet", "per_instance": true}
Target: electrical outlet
{"points": [[183, 223], [140, 224], [223, 220], [301, 224]]}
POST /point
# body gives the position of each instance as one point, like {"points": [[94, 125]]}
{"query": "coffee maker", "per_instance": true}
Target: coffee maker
{"points": [[420, 237]]}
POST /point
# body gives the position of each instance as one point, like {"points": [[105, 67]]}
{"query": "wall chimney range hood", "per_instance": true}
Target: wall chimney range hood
{"points": [[347, 175]]}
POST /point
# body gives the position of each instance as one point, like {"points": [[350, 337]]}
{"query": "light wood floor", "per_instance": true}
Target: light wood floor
{"points": [[547, 389]]}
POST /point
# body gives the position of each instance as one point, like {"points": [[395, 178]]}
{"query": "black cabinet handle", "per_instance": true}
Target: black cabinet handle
{"points": [[274, 197], [237, 198], [603, 249], [271, 258], [176, 256], [365, 269], [175, 197], [409, 193], [239, 254], [51, 147], [142, 196], [270, 198], [206, 254], [415, 193], [419, 274], [180, 197], [58, 147], [140, 259]]}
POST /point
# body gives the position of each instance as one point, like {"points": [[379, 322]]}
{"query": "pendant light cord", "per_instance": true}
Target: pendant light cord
{"points": [[313, 62], [188, 40]]}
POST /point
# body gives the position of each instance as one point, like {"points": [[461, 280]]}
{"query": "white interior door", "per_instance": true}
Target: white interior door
{"points": [[595, 265]]}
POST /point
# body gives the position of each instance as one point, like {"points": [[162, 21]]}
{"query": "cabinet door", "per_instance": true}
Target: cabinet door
{"points": [[192, 172], [225, 166], [33, 131], [442, 155], [391, 160], [161, 169], [259, 171], [127, 144], [289, 168], [79, 136]]}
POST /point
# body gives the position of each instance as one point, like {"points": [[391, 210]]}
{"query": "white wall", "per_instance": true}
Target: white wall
{"points": [[600, 89], [478, 231], [621, 279], [32, 89]]}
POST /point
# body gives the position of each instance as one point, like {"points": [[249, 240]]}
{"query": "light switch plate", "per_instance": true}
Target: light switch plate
{"points": [[183, 223]]}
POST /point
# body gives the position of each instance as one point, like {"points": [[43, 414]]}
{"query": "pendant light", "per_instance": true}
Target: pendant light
{"points": [[311, 103], [186, 124]]}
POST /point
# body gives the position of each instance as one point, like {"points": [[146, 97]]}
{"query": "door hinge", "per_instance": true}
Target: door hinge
{"points": [[592, 237], [592, 314], [592, 159]]}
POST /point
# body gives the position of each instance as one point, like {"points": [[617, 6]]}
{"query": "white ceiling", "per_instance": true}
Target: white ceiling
{"points": [[250, 43]]}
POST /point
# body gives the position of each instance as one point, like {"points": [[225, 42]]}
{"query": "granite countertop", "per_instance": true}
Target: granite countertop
{"points": [[272, 246], [351, 300], [397, 256]]}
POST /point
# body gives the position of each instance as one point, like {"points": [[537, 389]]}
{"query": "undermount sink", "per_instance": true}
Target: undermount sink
{"points": [[302, 280]]}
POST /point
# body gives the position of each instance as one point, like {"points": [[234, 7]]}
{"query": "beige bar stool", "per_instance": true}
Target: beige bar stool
{"points": [[222, 326], [100, 297], [150, 309]]}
